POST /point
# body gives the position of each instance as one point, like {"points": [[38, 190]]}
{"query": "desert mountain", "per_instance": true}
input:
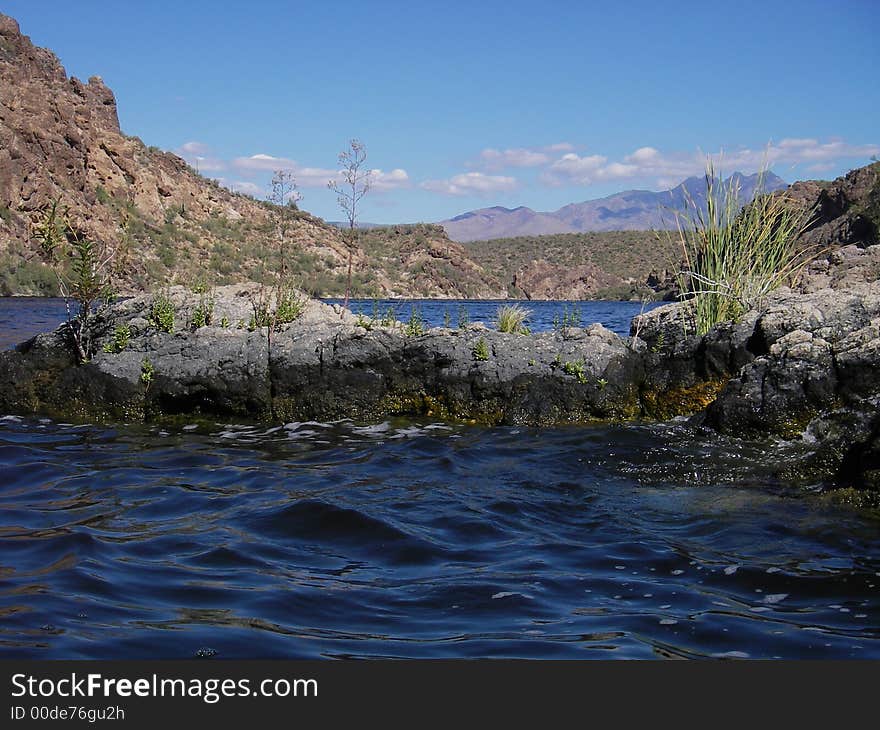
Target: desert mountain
{"points": [[60, 140], [631, 210]]}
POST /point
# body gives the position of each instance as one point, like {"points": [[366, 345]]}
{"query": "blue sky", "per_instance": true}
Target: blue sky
{"points": [[468, 104]]}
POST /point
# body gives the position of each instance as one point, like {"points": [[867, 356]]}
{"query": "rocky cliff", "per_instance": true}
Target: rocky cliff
{"points": [[60, 139]]}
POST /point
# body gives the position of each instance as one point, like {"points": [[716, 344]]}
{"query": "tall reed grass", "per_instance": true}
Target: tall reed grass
{"points": [[734, 256], [512, 318]]}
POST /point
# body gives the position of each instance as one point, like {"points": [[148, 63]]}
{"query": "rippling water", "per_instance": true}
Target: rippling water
{"points": [[616, 316], [417, 539]]}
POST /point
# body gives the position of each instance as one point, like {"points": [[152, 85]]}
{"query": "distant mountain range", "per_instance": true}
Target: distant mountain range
{"points": [[631, 210]]}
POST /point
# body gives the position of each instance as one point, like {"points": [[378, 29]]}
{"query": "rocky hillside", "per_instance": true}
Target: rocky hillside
{"points": [[601, 265], [60, 139], [420, 260]]}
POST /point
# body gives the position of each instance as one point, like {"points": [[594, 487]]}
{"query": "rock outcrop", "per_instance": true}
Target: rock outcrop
{"points": [[803, 367], [323, 365]]}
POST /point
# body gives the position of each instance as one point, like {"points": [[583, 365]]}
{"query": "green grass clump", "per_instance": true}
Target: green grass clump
{"points": [[162, 313], [734, 258], [511, 318], [481, 350], [121, 338]]}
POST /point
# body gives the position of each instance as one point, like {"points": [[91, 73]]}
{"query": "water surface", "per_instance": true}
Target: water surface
{"points": [[420, 539], [412, 538]]}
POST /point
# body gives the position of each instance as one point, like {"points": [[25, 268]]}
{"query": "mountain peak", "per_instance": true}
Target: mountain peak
{"points": [[627, 210]]}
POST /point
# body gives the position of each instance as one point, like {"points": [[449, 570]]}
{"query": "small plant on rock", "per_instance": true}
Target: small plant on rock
{"points": [[121, 338], [147, 372], [570, 318], [161, 314], [288, 306], [415, 326], [481, 350], [203, 314], [576, 369]]}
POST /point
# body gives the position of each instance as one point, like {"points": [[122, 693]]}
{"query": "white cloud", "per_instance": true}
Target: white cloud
{"points": [[643, 155], [494, 160], [573, 169], [667, 169], [243, 186], [313, 177], [263, 162], [317, 177], [394, 179], [194, 148], [471, 183], [198, 154]]}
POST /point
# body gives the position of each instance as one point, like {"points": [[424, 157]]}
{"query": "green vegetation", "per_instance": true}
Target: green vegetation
{"points": [[101, 195], [570, 317], [628, 255], [82, 268], [464, 318], [121, 338], [148, 371], [204, 312], [287, 307], [575, 368], [415, 326], [422, 257], [511, 318], [481, 349], [732, 258], [161, 314]]}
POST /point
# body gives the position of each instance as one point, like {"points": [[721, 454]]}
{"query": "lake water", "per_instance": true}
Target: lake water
{"points": [[414, 538]]}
